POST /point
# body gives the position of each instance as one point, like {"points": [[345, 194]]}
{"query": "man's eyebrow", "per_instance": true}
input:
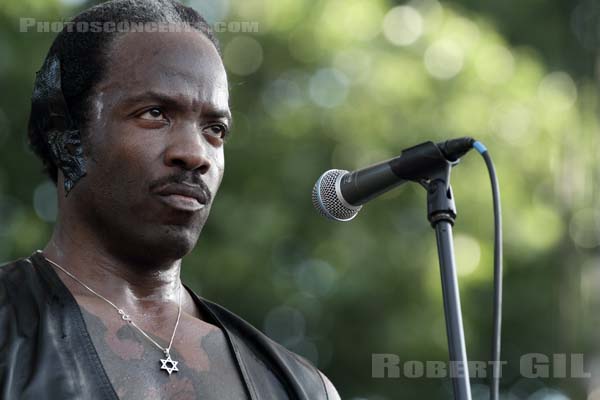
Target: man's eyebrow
{"points": [[219, 114], [174, 102], [150, 95]]}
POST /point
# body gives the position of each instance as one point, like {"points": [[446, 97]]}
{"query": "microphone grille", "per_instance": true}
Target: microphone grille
{"points": [[327, 199]]}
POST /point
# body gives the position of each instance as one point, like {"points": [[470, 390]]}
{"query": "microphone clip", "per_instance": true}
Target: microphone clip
{"points": [[440, 202], [430, 165]]}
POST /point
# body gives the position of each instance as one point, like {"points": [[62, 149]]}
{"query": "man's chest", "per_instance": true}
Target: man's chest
{"points": [[206, 367]]}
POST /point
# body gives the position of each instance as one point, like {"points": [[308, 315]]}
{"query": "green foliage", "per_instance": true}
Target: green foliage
{"points": [[341, 84]]}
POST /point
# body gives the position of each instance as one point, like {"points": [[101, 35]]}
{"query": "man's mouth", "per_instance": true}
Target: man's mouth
{"points": [[180, 202], [183, 196]]}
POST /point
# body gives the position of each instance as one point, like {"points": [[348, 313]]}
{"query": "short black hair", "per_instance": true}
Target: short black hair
{"points": [[82, 54]]}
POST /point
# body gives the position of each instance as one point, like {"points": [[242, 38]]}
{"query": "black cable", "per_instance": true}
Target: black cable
{"points": [[497, 313]]}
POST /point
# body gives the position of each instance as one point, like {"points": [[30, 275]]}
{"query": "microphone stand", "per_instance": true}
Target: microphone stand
{"points": [[430, 165], [441, 212]]}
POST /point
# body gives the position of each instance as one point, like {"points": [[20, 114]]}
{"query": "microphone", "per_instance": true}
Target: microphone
{"points": [[339, 194]]}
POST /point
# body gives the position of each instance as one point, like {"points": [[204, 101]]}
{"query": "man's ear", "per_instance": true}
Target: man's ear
{"points": [[53, 119], [67, 153]]}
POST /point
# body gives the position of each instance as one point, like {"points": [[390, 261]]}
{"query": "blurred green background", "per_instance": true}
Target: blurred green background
{"points": [[345, 83]]}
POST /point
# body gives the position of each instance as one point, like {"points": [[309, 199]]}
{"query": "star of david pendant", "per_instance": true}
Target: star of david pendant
{"points": [[167, 361]]}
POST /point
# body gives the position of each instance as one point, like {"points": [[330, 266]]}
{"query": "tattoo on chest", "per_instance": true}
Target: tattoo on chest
{"points": [[207, 369]]}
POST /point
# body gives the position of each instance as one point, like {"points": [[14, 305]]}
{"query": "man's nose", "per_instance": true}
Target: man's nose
{"points": [[188, 149]]}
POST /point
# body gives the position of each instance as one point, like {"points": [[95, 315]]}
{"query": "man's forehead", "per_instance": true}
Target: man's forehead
{"points": [[177, 64], [186, 40]]}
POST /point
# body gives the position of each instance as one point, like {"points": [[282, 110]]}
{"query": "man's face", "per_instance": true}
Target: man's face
{"points": [[155, 144]]}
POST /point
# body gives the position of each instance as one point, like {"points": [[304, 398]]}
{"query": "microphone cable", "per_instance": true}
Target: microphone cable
{"points": [[497, 307]]}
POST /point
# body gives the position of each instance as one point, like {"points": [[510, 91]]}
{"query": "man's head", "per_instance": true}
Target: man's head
{"points": [[145, 114]]}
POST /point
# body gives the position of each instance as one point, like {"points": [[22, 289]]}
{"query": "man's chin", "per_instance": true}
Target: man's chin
{"points": [[159, 245], [176, 242], [152, 236]]}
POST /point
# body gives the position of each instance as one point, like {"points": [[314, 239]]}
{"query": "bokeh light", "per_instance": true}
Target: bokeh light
{"points": [[355, 64], [495, 64], [350, 20], [403, 25], [514, 124], [328, 87], [444, 59], [281, 97], [212, 10], [286, 325], [536, 228], [316, 277], [243, 55], [45, 202], [468, 254], [557, 91]]}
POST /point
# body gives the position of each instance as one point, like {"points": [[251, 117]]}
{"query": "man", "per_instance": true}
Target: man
{"points": [[131, 127]]}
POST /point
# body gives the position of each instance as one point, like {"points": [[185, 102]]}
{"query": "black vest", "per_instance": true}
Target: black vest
{"points": [[46, 351]]}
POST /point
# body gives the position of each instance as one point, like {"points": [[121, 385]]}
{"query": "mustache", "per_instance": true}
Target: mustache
{"points": [[188, 178]]}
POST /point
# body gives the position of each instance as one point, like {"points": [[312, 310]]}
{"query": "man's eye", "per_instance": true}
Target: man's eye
{"points": [[216, 130], [153, 114]]}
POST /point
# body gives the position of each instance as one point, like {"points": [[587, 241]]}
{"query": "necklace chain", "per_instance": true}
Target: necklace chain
{"points": [[121, 312]]}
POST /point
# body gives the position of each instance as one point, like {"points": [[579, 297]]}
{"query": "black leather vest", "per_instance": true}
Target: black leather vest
{"points": [[46, 351]]}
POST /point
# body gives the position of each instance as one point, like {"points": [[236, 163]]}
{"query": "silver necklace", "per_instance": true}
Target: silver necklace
{"points": [[167, 364]]}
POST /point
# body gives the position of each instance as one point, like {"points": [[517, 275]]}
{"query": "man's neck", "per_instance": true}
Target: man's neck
{"points": [[125, 282]]}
